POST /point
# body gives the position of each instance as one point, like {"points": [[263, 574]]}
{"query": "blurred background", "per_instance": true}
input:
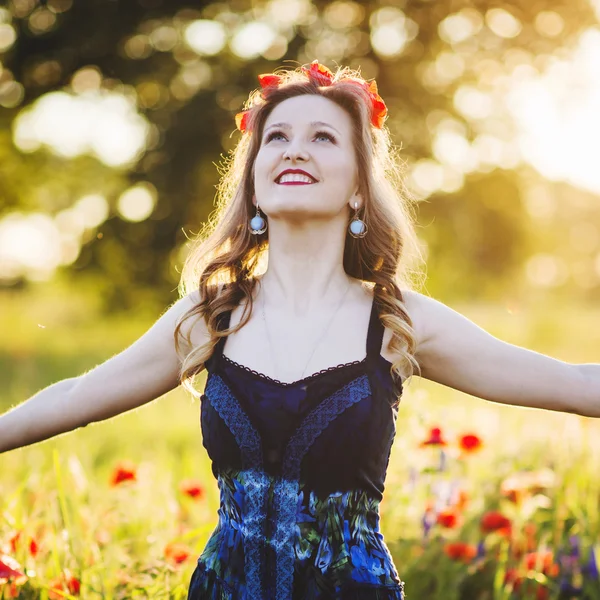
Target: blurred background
{"points": [[114, 117], [114, 113]]}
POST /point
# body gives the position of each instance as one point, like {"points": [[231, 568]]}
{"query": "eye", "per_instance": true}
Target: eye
{"points": [[275, 134], [325, 134]]}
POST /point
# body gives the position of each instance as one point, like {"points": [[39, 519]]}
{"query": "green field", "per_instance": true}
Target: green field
{"points": [[111, 539]]}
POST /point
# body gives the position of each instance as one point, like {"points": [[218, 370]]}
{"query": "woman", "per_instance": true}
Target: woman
{"points": [[300, 402]]}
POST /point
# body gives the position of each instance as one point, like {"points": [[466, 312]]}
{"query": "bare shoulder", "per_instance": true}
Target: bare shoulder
{"points": [[419, 309], [194, 325]]}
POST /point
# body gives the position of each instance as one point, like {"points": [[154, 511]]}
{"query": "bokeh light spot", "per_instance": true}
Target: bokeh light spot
{"points": [[546, 270], [252, 39], [472, 103], [391, 31], [11, 94], [460, 26], [8, 36], [102, 123], [138, 47], [549, 23], [342, 15], [426, 177], [502, 23], [205, 37], [93, 208], [137, 203], [86, 79], [59, 6], [30, 245], [41, 20]]}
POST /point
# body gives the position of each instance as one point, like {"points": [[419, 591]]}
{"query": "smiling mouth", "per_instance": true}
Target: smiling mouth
{"points": [[294, 179], [297, 183]]}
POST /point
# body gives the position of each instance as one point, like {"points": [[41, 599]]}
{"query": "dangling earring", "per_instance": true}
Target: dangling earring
{"points": [[257, 224], [357, 228]]}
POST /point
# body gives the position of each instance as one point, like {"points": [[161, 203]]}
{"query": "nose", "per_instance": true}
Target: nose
{"points": [[295, 151]]}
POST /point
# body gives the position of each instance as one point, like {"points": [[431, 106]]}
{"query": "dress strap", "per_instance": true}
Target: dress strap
{"points": [[215, 358], [222, 323], [375, 333]]}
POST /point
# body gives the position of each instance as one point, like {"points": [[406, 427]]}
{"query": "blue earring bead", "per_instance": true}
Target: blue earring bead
{"points": [[258, 225], [358, 228]]}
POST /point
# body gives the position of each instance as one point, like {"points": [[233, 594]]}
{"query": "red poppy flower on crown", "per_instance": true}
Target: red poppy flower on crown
{"points": [[320, 73], [323, 76]]}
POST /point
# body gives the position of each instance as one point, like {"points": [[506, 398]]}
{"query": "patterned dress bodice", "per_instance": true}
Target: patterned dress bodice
{"points": [[300, 468]]}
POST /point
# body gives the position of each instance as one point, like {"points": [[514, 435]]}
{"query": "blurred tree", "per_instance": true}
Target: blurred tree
{"points": [[479, 238], [421, 52]]}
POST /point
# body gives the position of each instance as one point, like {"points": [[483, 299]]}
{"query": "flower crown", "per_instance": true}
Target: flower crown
{"points": [[324, 77]]}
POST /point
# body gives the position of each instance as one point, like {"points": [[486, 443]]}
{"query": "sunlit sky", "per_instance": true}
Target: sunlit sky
{"points": [[555, 112], [558, 114]]}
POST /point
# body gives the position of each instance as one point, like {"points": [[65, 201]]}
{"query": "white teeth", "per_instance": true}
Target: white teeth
{"points": [[289, 177]]}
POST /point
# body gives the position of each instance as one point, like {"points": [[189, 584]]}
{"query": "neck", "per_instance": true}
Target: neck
{"points": [[305, 270]]}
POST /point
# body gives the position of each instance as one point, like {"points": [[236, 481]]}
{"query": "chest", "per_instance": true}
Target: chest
{"points": [[287, 349]]}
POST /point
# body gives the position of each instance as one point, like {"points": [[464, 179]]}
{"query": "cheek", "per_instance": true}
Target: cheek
{"points": [[262, 164], [345, 169], [259, 170]]}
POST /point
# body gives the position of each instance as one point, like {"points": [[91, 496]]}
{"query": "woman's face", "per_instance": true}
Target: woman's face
{"points": [[313, 135]]}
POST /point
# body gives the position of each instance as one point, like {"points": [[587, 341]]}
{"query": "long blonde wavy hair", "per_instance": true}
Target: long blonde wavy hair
{"points": [[225, 258]]}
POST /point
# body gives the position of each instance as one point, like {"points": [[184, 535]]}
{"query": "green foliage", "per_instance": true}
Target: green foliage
{"points": [[192, 125]]}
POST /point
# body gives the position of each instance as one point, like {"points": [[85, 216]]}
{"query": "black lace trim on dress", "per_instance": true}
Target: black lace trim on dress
{"points": [[303, 380]]}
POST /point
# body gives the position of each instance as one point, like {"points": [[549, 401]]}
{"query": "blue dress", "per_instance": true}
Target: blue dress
{"points": [[300, 468]]}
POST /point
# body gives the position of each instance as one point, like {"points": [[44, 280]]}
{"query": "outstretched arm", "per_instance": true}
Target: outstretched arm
{"points": [[457, 353], [142, 372]]}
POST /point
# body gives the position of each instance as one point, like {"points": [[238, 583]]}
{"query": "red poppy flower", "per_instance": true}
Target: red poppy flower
{"points": [[192, 488], [10, 569], [267, 80], [125, 470], [33, 547], [494, 521], [462, 499], [379, 108], [448, 518], [13, 540], [469, 442], [73, 584], [543, 561], [241, 120], [58, 585], [512, 576], [55, 587], [530, 529], [12, 591], [318, 72], [518, 582], [542, 593], [177, 552], [461, 551], [435, 438]]}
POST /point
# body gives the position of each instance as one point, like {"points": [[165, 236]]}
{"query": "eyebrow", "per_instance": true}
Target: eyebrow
{"points": [[312, 123]]}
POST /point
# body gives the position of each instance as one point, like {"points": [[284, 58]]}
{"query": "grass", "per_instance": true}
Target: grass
{"points": [[112, 539]]}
